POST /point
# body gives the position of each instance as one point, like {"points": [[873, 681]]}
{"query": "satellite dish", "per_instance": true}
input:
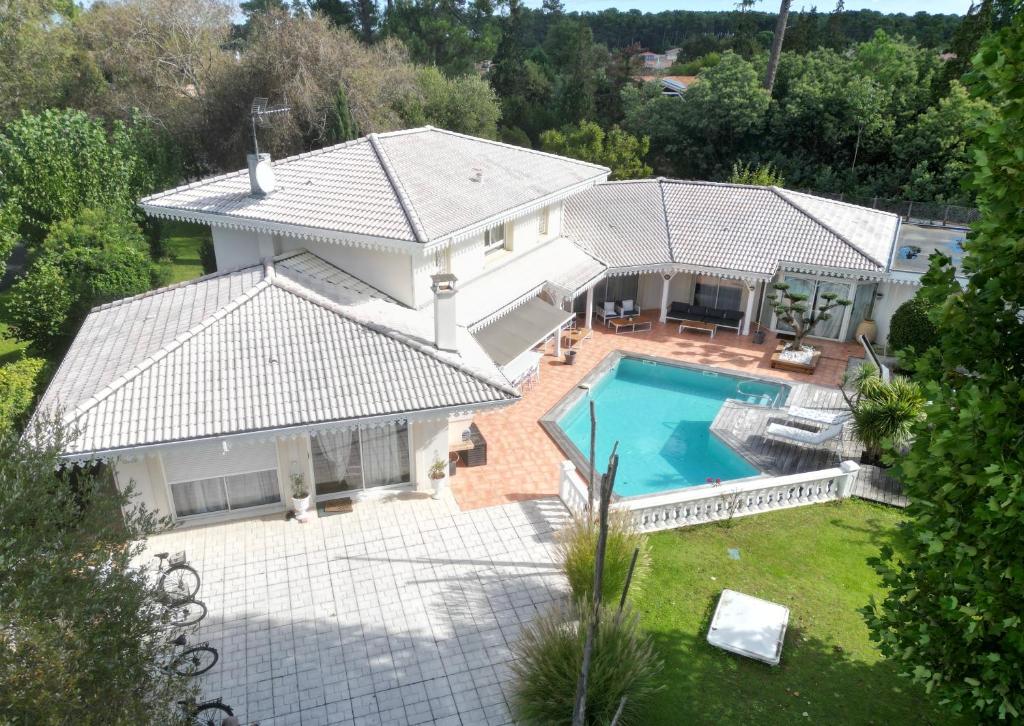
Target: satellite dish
{"points": [[265, 177]]}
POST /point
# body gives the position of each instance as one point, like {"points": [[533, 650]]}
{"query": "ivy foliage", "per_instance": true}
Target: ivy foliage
{"points": [[952, 613]]}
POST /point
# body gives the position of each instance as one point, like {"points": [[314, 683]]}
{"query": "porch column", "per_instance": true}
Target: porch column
{"points": [[753, 290], [666, 279], [590, 309], [558, 342]]}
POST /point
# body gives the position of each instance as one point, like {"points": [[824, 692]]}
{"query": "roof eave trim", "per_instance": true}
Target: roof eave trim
{"points": [[316, 234], [291, 431], [844, 272]]}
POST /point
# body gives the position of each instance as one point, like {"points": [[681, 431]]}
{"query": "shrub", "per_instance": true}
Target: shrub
{"points": [[911, 328], [549, 655], [38, 306], [17, 390], [577, 548]]}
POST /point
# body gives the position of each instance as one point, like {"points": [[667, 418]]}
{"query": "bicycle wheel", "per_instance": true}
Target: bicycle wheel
{"points": [[179, 583], [195, 661], [183, 614], [211, 714]]}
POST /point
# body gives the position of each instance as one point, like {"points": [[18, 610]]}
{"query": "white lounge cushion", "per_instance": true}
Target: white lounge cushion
{"points": [[802, 435], [818, 415]]}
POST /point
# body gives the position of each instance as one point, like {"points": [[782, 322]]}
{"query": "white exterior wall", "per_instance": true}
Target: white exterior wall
{"points": [[145, 474], [429, 442], [294, 457], [390, 272], [892, 297], [235, 248]]}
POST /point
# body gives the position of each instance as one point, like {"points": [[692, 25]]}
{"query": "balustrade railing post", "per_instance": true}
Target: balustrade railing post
{"points": [[847, 478]]}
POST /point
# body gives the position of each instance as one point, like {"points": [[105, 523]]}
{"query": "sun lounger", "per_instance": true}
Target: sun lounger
{"points": [[817, 415], [803, 436]]}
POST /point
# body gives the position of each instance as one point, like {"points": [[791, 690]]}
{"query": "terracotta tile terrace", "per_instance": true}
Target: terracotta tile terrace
{"points": [[522, 460]]}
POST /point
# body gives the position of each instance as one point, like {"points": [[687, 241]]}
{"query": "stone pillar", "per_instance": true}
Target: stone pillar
{"points": [[752, 294], [590, 309], [666, 280], [848, 477]]}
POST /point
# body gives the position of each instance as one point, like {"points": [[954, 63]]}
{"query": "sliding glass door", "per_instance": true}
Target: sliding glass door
{"points": [[353, 460], [814, 289]]}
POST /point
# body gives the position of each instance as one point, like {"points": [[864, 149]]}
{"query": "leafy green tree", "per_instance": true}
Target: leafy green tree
{"points": [[342, 127], [18, 390], [58, 162], [466, 104], [762, 175], [620, 151], [951, 615], [82, 632], [95, 258], [37, 69]]}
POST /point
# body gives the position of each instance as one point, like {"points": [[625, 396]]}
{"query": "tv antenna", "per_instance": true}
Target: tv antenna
{"points": [[260, 114]]}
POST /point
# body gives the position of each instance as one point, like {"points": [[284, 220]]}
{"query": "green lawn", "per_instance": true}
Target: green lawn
{"points": [[183, 241], [812, 560]]}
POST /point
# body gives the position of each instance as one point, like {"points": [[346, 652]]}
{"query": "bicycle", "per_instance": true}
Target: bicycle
{"points": [[208, 713], [179, 581], [192, 661]]}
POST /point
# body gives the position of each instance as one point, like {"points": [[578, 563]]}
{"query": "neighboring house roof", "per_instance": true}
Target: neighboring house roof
{"points": [[678, 83], [420, 185], [731, 227], [257, 349]]}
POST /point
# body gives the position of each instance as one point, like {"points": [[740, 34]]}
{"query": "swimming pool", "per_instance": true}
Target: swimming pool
{"points": [[661, 414]]}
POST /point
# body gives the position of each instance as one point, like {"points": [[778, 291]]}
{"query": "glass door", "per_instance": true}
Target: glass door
{"points": [[337, 469], [831, 328]]}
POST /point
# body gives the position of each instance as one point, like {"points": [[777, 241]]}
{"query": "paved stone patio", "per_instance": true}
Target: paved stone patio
{"points": [[400, 612], [522, 460]]}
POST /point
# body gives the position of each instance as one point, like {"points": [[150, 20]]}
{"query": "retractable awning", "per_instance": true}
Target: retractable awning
{"points": [[522, 329]]}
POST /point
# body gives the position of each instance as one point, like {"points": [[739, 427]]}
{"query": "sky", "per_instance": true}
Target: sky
{"points": [[910, 7]]}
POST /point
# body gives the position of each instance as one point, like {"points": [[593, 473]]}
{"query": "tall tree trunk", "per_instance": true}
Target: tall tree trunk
{"points": [[780, 33], [367, 19]]}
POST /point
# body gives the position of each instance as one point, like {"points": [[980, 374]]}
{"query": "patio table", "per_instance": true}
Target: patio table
{"points": [[632, 324]]}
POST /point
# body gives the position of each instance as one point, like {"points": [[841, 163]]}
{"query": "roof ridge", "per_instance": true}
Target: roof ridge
{"points": [[506, 145], [396, 185], [664, 215], [780, 193], [173, 286], [177, 342], [299, 290]]}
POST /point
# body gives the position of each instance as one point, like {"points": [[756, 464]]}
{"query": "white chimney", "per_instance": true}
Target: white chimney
{"points": [[444, 311], [261, 174]]}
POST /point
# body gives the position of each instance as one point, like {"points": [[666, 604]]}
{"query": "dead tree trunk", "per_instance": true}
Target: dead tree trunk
{"points": [[780, 33]]}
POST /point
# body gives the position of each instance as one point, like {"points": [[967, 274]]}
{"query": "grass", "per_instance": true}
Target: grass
{"points": [[182, 241], [812, 560]]}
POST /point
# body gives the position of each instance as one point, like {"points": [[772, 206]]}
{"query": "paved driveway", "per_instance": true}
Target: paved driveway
{"points": [[397, 613]]}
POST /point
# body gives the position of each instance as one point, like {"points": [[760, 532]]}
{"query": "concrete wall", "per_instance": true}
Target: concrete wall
{"points": [[294, 457], [429, 443], [892, 297], [390, 272], [235, 248], [145, 474]]}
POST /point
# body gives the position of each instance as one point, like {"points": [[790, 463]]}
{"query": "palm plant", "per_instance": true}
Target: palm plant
{"points": [[884, 412], [793, 309]]}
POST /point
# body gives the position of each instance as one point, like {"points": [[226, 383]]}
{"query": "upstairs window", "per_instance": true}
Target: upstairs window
{"points": [[494, 239]]}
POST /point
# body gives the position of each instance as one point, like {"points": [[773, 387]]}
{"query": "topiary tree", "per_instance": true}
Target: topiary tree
{"points": [[793, 309], [911, 327]]}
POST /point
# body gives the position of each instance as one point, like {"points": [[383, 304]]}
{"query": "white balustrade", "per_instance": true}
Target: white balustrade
{"points": [[715, 502]]}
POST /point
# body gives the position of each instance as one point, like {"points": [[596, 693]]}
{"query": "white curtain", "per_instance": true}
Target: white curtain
{"points": [[199, 497], [336, 465], [830, 328], [385, 453], [253, 489]]}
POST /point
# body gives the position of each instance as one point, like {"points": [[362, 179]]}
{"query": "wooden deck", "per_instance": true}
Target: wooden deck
{"points": [[742, 426]]}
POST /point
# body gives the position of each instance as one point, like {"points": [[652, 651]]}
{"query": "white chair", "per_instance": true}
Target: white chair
{"points": [[817, 415], [803, 436], [606, 311], [627, 308]]}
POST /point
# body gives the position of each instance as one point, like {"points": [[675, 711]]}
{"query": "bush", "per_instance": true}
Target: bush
{"points": [[17, 390], [549, 655], [207, 256], [577, 547], [38, 306], [911, 327]]}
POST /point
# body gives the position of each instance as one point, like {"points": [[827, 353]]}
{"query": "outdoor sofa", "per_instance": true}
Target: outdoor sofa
{"points": [[685, 312]]}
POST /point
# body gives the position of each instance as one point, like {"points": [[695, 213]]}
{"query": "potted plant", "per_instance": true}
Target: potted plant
{"points": [[868, 327], [437, 476], [758, 334], [570, 357], [300, 495]]}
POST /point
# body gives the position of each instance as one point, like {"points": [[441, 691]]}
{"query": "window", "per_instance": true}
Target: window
{"points": [[225, 493], [713, 292], [494, 239], [830, 328], [351, 460], [543, 220]]}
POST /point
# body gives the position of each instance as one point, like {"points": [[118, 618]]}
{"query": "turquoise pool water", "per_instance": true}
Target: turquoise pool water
{"points": [[661, 416]]}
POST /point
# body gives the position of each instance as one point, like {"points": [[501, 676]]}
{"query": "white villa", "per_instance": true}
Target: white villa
{"points": [[372, 297]]}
